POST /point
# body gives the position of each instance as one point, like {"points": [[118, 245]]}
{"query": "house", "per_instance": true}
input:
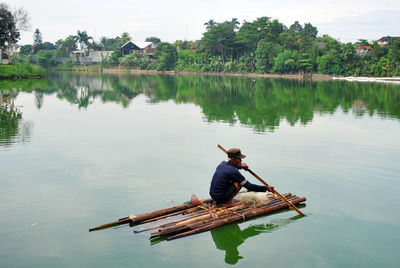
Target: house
{"points": [[92, 57], [3, 57], [363, 50], [15, 50], [384, 41], [141, 47]]}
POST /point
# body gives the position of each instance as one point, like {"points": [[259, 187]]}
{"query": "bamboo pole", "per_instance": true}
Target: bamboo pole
{"points": [[145, 216], [266, 184], [235, 218]]}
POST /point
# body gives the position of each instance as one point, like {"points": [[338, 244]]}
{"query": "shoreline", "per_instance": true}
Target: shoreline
{"points": [[314, 76]]}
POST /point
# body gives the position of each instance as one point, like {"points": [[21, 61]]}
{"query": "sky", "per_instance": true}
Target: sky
{"points": [[347, 21]]}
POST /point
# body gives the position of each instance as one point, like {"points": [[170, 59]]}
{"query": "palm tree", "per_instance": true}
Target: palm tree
{"points": [[234, 23], [210, 24], [83, 40]]}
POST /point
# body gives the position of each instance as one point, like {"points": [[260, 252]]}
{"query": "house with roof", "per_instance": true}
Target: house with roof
{"points": [[384, 41], [136, 46], [363, 50]]}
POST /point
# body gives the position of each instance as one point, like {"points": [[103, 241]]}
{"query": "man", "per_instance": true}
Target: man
{"points": [[227, 179]]}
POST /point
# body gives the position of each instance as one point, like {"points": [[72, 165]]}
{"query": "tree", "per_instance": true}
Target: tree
{"points": [[37, 40], [37, 37], [83, 40], [11, 24], [153, 39], [219, 40], [251, 33], [26, 50], [45, 58], [108, 43], [8, 32], [275, 28], [309, 31], [284, 63], [166, 56], [66, 47], [125, 37], [210, 24], [295, 28], [266, 53], [234, 23]]}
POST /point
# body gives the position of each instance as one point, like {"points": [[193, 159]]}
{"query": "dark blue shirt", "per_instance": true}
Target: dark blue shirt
{"points": [[224, 176]]}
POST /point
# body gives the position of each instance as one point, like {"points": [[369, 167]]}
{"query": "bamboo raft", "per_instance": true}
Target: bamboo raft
{"points": [[200, 216]]}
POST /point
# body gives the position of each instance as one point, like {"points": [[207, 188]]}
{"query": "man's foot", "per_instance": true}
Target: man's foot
{"points": [[229, 204]]}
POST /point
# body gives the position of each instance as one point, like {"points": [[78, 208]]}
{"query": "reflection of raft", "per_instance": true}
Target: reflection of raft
{"points": [[196, 217]]}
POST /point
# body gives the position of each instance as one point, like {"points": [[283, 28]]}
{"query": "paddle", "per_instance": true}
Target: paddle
{"points": [[266, 184]]}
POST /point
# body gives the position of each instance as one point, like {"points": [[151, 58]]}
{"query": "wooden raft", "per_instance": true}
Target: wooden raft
{"points": [[188, 219]]}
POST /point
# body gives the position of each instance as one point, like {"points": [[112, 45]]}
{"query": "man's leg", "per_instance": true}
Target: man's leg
{"points": [[230, 202]]}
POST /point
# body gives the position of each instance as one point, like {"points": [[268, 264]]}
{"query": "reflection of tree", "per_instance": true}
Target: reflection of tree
{"points": [[12, 128], [259, 103], [229, 238]]}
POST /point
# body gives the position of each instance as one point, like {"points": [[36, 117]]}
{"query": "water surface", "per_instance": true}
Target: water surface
{"points": [[89, 149]]}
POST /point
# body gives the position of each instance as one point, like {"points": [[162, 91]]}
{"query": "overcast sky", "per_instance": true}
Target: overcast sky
{"points": [[173, 20]]}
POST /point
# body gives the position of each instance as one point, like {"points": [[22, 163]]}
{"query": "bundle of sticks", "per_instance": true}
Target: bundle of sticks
{"points": [[188, 219]]}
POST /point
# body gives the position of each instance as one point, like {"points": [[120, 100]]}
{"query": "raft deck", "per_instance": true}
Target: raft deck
{"points": [[192, 218]]}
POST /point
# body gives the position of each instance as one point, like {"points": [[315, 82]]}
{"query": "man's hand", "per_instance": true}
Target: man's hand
{"points": [[244, 166], [270, 188]]}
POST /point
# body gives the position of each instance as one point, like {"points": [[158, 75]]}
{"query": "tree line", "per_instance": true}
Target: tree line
{"points": [[264, 45]]}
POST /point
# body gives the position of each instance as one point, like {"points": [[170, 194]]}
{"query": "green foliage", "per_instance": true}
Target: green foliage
{"points": [[26, 50], [20, 71], [66, 47], [153, 39], [284, 62], [37, 38], [304, 64], [220, 40], [9, 33], [263, 46], [166, 56], [329, 63], [136, 60], [265, 54], [46, 58], [261, 104], [114, 59]]}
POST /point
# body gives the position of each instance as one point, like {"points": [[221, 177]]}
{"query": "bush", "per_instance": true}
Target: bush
{"points": [[20, 71]]}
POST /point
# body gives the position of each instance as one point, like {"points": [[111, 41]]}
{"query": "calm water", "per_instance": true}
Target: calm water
{"points": [[90, 149]]}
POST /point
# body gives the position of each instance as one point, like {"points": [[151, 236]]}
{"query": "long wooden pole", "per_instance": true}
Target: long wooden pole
{"points": [[145, 216], [266, 184]]}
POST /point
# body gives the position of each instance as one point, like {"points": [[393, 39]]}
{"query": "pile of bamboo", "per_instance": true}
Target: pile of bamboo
{"points": [[188, 219]]}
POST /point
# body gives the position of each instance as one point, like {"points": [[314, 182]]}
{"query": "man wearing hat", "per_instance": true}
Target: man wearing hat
{"points": [[227, 179]]}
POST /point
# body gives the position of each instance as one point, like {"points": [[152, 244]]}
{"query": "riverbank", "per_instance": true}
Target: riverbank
{"points": [[17, 71], [298, 76]]}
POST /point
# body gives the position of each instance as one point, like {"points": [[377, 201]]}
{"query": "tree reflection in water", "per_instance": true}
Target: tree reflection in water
{"points": [[12, 127], [229, 238], [259, 103]]}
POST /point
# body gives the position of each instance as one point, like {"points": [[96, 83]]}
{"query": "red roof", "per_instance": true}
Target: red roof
{"points": [[364, 47]]}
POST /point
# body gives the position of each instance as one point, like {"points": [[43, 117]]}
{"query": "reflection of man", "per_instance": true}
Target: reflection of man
{"points": [[230, 237]]}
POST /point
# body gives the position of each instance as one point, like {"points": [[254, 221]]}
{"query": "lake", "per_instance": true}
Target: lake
{"points": [[87, 149]]}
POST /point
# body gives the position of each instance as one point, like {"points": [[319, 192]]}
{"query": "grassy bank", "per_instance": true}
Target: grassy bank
{"points": [[16, 71]]}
